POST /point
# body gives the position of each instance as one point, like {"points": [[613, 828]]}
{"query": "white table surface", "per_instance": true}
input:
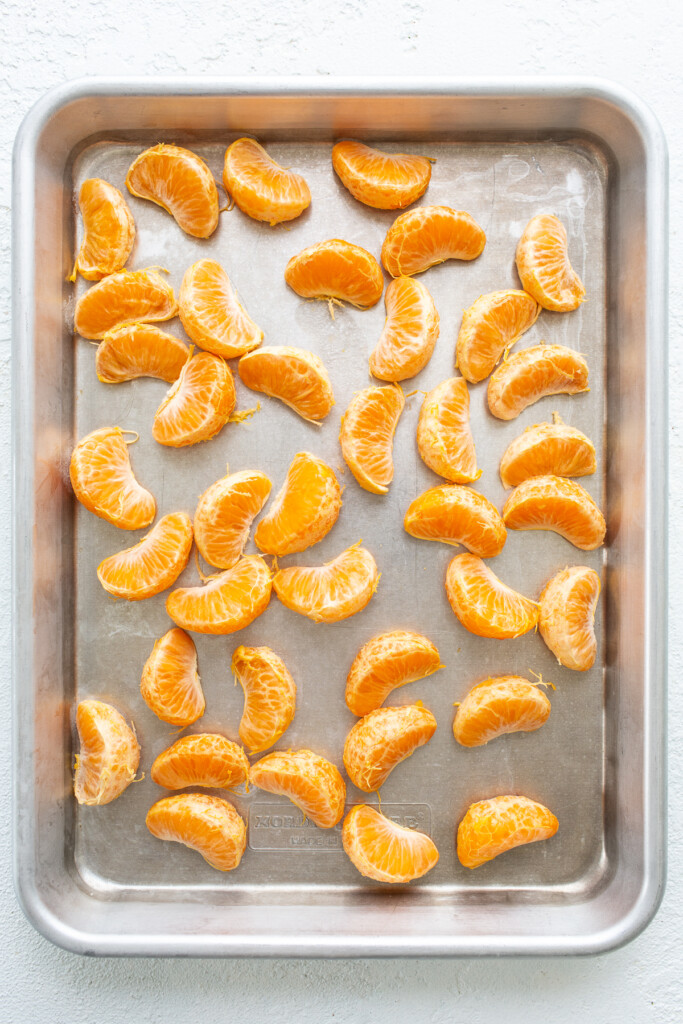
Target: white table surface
{"points": [[635, 43]]}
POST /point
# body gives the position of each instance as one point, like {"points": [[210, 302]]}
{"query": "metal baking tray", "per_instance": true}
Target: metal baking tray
{"points": [[92, 879]]}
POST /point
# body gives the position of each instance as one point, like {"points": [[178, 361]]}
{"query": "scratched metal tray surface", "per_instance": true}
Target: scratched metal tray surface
{"points": [[94, 879]]}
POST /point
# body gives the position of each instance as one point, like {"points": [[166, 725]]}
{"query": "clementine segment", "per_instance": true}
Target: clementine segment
{"points": [[554, 503], [228, 602], [269, 696], [207, 824], [385, 662], [491, 326], [139, 350], [336, 269], [170, 684], [297, 377], [427, 235], [109, 753], [108, 230], [103, 480], [129, 297], [457, 515], [180, 182], [367, 436], [198, 404], [492, 827], [383, 850], [224, 515], [497, 706], [304, 510], [211, 313], [204, 759], [410, 331], [547, 449], [567, 617], [444, 438], [484, 605], [151, 565], [535, 373], [330, 592], [385, 181], [310, 781], [380, 741], [261, 187], [543, 265]]}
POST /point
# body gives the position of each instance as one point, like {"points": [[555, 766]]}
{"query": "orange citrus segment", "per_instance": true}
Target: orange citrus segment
{"points": [[410, 331], [170, 684], [297, 377], [498, 706], [180, 182], [543, 265], [367, 436], [444, 438], [211, 313], [228, 602], [420, 238], [310, 781], [381, 740], [457, 515], [103, 480], [205, 759], [224, 515], [109, 753], [131, 296], [567, 617], [534, 373], [336, 270], [151, 565], [261, 187], [383, 850], [108, 230], [198, 404], [304, 510], [484, 605], [547, 448], [385, 181], [207, 824], [554, 503], [387, 661], [493, 826], [269, 696], [491, 326], [330, 592], [139, 350]]}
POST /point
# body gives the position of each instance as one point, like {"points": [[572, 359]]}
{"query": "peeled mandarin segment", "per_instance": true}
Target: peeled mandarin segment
{"points": [[109, 753], [261, 187], [454, 514], [205, 759], [490, 326], [387, 661], [484, 605], [384, 851], [269, 696], [211, 313], [427, 235], [224, 515], [103, 480], [544, 268], [498, 706], [198, 405], [554, 503], [153, 564], [410, 331], [180, 182], [535, 373], [547, 448], [304, 510], [336, 270], [108, 230], [207, 824], [297, 377], [330, 592], [310, 781], [566, 622], [381, 740], [170, 684], [139, 350], [444, 438], [385, 181], [129, 297], [367, 436], [492, 827], [228, 602]]}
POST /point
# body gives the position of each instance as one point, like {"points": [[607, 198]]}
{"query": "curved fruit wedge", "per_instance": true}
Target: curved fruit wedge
{"points": [[387, 661], [297, 377], [109, 753], [544, 268], [383, 850], [381, 740], [198, 405], [534, 373], [180, 182], [457, 515], [330, 592], [129, 297], [211, 313], [108, 230], [228, 602], [427, 235], [207, 824], [498, 706], [305, 509], [151, 565], [224, 515], [204, 759], [444, 438], [493, 826], [261, 187], [547, 448], [269, 696], [367, 436], [410, 331], [385, 181], [554, 503], [336, 270], [140, 350], [310, 781], [103, 480], [170, 684], [490, 326], [567, 617], [484, 605]]}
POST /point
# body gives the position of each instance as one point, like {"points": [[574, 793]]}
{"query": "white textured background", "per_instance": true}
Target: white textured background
{"points": [[634, 42]]}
